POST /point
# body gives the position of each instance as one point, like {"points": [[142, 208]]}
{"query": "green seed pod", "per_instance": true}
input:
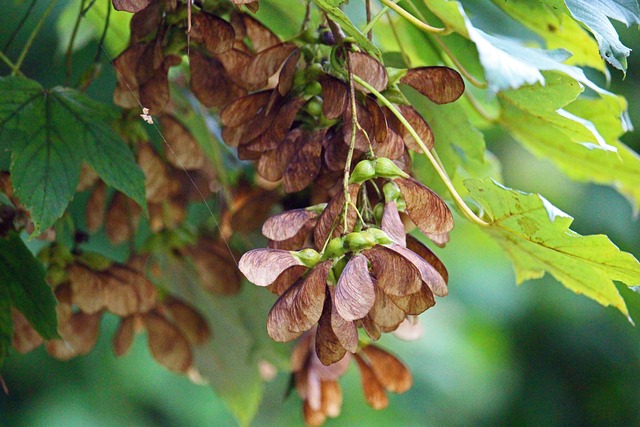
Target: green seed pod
{"points": [[363, 171], [378, 209], [385, 168], [356, 241], [335, 248], [312, 89], [401, 205], [338, 267], [395, 74], [309, 257], [314, 107], [391, 192], [95, 261], [379, 236]]}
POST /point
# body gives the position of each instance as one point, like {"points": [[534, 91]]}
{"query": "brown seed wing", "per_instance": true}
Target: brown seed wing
{"points": [[373, 390], [286, 224], [331, 218], [417, 303], [266, 63], [355, 294], [416, 246], [244, 109], [425, 208], [167, 345], [305, 164], [191, 323], [130, 5], [368, 69], [217, 34], [395, 275], [263, 266], [123, 338], [440, 84], [428, 273], [184, 152], [419, 124], [392, 224], [335, 96], [261, 37], [388, 369]]}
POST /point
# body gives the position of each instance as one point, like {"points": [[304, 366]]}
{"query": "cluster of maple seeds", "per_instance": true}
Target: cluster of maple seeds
{"points": [[336, 266]]}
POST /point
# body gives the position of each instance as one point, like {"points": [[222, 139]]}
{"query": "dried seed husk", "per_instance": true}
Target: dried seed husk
{"points": [[25, 338], [419, 124], [286, 279], [88, 177], [385, 314], [123, 338], [428, 273], [154, 94], [305, 164], [300, 307], [126, 65], [364, 135], [272, 164], [388, 369], [376, 114], [151, 58], [266, 63], [416, 246], [184, 152], [157, 179], [392, 224], [332, 214], [335, 151], [210, 82], [335, 96], [249, 209], [392, 147], [144, 22], [328, 347], [167, 344], [368, 69], [371, 328], [215, 33], [417, 303], [355, 294], [440, 84], [284, 117], [425, 208], [234, 61], [261, 37], [263, 266], [131, 5], [285, 79], [189, 321], [79, 335], [373, 390], [95, 213], [313, 417], [331, 398], [244, 109], [395, 275], [216, 267], [287, 224]]}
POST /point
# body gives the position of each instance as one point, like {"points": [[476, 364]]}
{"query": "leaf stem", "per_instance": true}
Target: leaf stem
{"points": [[69, 53], [477, 83], [415, 21], [405, 58], [374, 20], [467, 212], [20, 24], [14, 69], [32, 37]]}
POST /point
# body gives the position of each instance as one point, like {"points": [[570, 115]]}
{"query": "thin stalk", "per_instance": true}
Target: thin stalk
{"points": [[467, 212], [405, 58], [374, 20], [69, 53], [14, 69], [104, 33], [33, 35], [415, 21], [352, 146], [479, 109], [368, 10], [15, 32]]}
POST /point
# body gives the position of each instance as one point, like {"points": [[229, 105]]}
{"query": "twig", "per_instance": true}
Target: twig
{"points": [[32, 36]]}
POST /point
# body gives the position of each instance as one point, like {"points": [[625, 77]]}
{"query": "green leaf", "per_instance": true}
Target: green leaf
{"points": [[51, 132], [6, 325], [536, 116], [595, 15], [330, 7], [229, 361], [537, 238], [508, 63], [609, 116], [558, 30], [22, 278]]}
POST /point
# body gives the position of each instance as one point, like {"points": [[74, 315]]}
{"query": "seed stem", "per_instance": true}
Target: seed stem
{"points": [[415, 21], [467, 212]]}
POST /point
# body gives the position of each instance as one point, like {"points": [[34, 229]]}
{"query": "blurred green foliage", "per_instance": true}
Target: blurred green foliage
{"points": [[492, 353]]}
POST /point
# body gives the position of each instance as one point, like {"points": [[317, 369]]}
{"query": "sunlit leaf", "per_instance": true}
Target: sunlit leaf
{"points": [[537, 238]]}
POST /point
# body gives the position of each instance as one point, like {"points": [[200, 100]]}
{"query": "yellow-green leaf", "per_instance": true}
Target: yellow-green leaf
{"points": [[537, 238]]}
